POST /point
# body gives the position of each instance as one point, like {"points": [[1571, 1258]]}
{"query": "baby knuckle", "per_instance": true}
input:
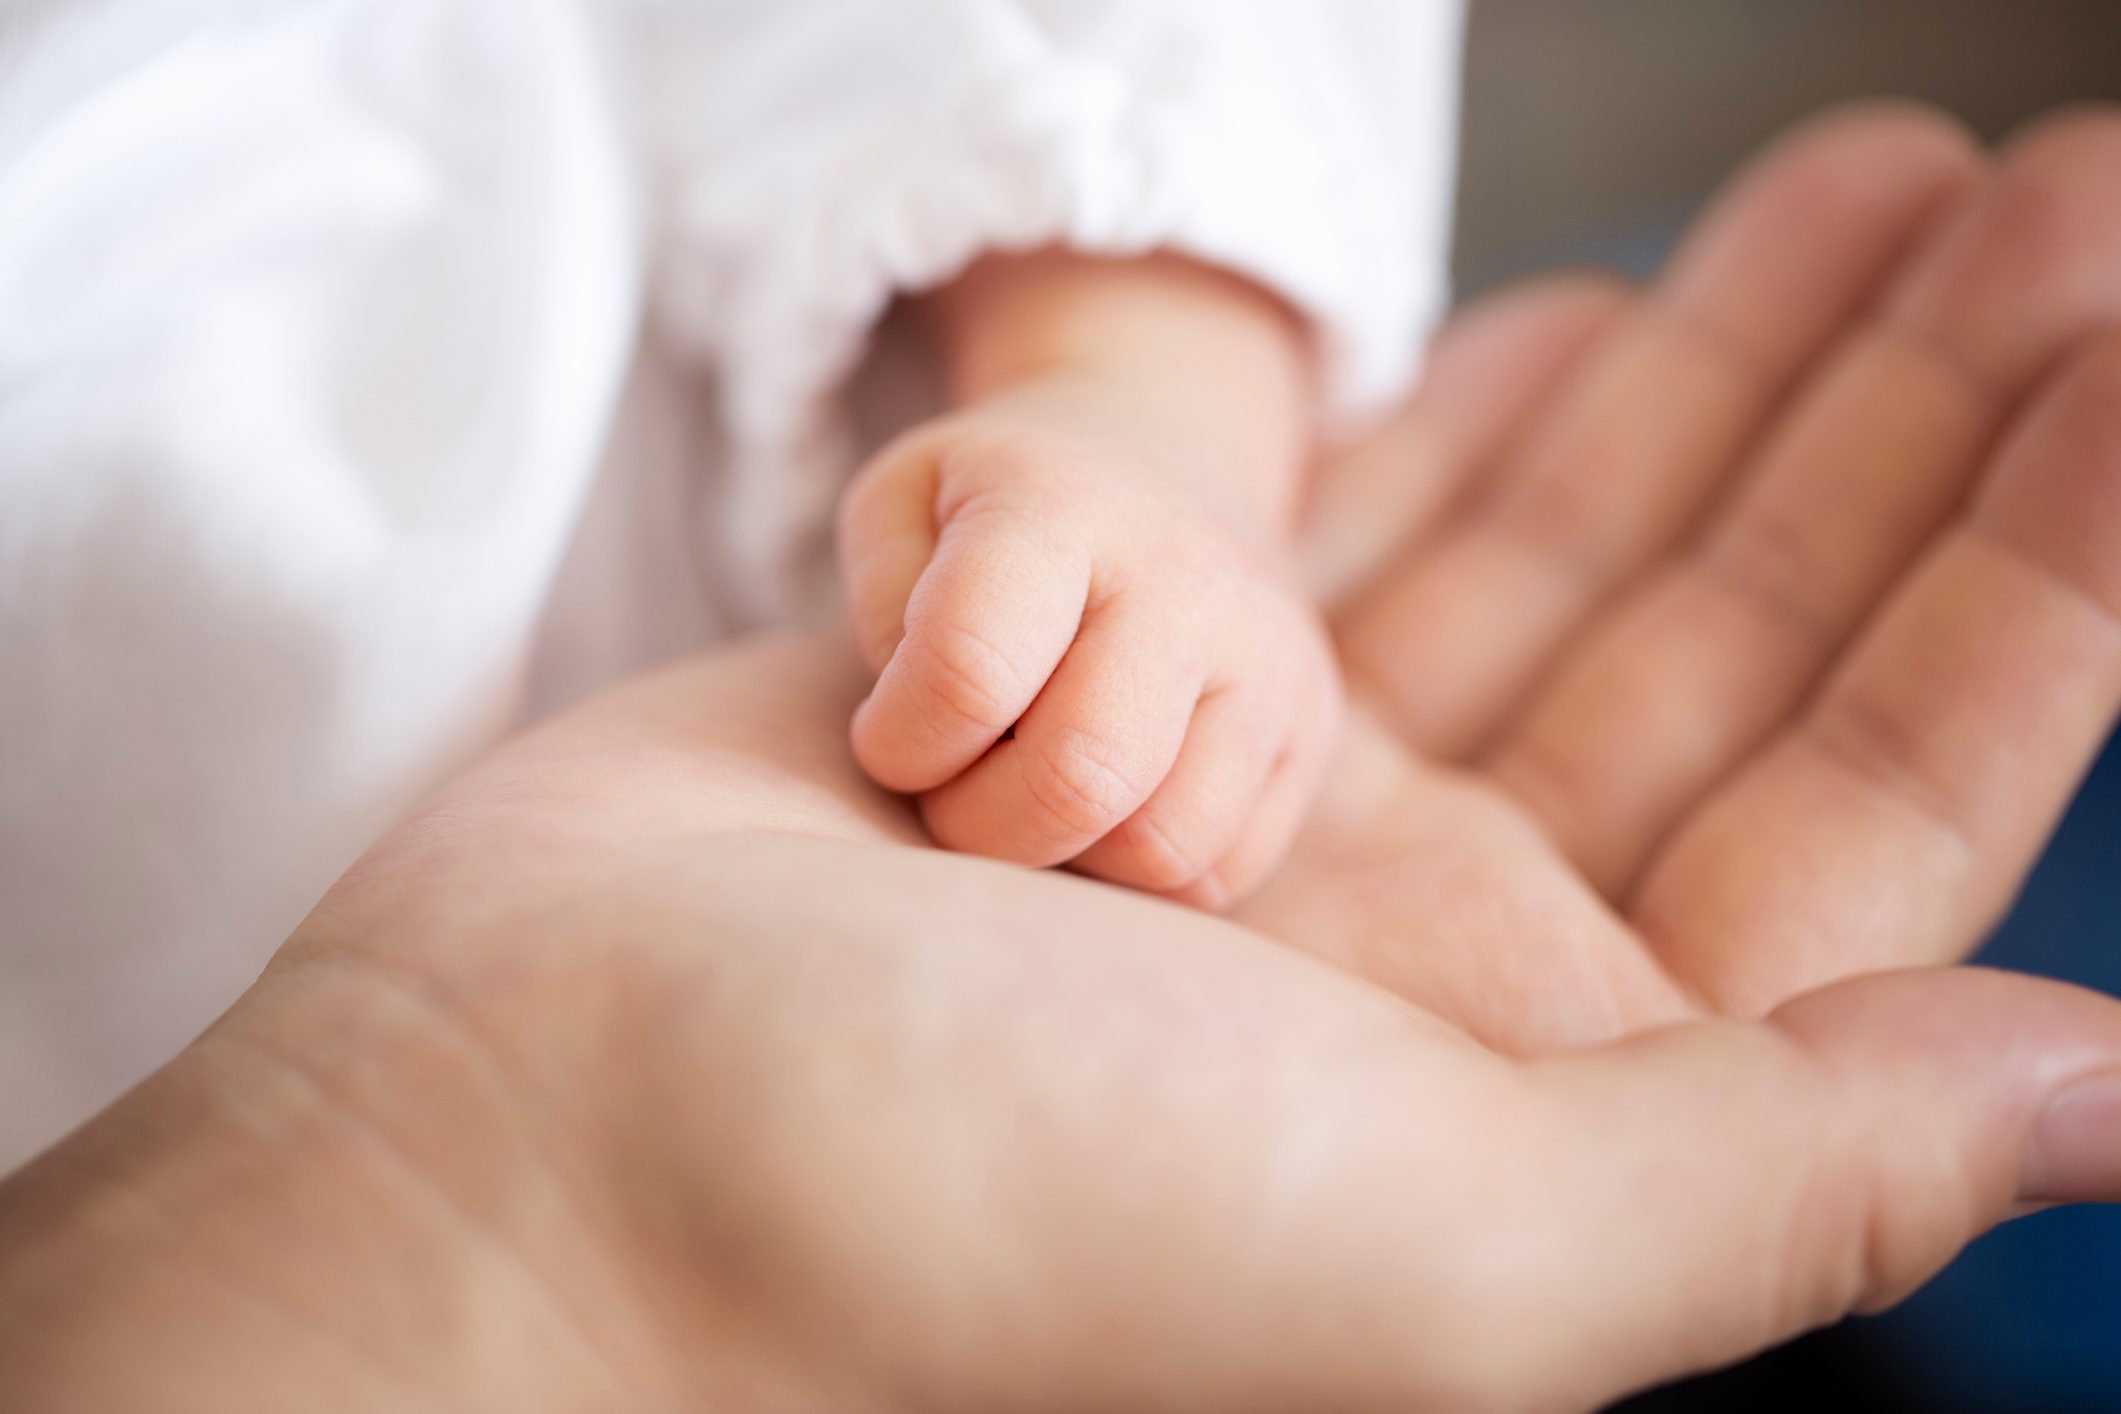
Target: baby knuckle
{"points": [[967, 680], [1076, 789], [1158, 856]]}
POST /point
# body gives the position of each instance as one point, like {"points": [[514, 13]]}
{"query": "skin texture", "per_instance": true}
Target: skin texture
{"points": [[1076, 589], [657, 1064]]}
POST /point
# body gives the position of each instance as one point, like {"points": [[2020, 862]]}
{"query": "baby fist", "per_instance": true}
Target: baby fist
{"points": [[1075, 662]]}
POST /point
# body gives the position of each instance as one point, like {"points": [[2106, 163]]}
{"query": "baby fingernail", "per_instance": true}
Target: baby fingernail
{"points": [[2074, 1155]]}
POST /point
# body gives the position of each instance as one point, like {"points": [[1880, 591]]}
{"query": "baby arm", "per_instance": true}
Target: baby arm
{"points": [[1074, 586]]}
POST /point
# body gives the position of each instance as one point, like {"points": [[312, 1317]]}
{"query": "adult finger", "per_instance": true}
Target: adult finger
{"points": [[1643, 438], [1896, 818], [1668, 693], [1492, 365]]}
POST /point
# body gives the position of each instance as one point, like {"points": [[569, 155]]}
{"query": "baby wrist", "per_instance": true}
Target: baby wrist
{"points": [[1218, 368]]}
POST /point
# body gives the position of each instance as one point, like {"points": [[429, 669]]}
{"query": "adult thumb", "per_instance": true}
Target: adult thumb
{"points": [[1730, 1184]]}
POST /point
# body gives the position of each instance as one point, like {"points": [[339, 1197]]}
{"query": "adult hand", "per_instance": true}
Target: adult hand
{"points": [[653, 1066], [1766, 616]]}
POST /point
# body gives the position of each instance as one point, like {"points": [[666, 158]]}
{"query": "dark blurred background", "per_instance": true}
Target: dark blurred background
{"points": [[1591, 122], [1593, 128]]}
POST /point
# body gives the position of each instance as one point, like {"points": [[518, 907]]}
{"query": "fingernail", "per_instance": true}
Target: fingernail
{"points": [[2074, 1155]]}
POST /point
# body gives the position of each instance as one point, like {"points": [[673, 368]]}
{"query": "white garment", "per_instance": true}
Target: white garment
{"points": [[333, 438]]}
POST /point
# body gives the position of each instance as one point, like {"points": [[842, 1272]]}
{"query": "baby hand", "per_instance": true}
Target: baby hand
{"points": [[1076, 660]]}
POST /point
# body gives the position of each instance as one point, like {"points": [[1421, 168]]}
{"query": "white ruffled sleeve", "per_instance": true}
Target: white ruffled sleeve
{"points": [[830, 155], [312, 320]]}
